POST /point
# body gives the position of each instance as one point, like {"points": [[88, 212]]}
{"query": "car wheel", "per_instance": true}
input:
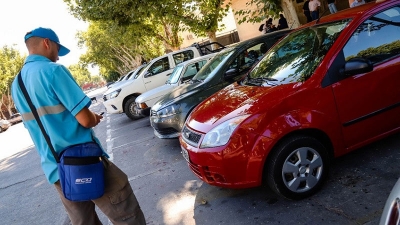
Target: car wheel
{"points": [[131, 109], [297, 167]]}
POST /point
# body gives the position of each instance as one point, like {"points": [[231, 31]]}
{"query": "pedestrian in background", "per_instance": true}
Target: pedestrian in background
{"points": [[63, 111], [306, 11], [357, 3], [332, 6], [314, 8], [282, 22]]}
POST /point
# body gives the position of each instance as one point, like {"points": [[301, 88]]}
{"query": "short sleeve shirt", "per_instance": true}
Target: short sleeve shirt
{"points": [[57, 98]]}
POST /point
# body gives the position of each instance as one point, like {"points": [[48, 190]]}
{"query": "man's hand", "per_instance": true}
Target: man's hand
{"points": [[88, 118]]}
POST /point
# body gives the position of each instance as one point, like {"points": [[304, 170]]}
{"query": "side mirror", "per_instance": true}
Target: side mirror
{"points": [[148, 74], [357, 66], [231, 73]]}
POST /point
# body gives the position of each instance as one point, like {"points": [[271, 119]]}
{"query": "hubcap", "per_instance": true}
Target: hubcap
{"points": [[133, 109], [302, 169]]}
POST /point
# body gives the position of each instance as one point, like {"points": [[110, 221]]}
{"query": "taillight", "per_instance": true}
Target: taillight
{"points": [[394, 213]]}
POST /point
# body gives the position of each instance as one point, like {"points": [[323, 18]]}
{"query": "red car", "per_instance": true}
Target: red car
{"points": [[324, 90]]}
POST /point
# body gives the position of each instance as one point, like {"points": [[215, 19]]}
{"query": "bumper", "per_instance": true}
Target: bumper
{"points": [[167, 127], [112, 107], [144, 112], [231, 166]]}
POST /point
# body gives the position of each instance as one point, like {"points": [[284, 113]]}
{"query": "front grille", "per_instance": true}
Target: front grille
{"points": [[166, 131], [104, 97], [190, 136]]}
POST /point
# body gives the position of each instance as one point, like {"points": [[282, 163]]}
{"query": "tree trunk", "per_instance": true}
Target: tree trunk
{"points": [[290, 13], [213, 38]]}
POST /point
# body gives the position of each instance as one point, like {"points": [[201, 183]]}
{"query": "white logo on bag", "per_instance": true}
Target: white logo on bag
{"points": [[83, 181]]}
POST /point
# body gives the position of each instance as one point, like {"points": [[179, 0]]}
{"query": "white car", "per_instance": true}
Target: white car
{"points": [[182, 73]]}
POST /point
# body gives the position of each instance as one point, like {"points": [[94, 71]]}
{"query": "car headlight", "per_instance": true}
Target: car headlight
{"points": [[221, 134], [169, 111], [113, 94]]}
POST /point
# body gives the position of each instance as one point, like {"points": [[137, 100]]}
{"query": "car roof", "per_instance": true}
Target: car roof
{"points": [[197, 59], [257, 39]]}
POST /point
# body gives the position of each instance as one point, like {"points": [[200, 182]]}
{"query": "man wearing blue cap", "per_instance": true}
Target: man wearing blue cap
{"points": [[63, 109]]}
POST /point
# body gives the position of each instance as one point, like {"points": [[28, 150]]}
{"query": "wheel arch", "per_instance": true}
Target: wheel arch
{"points": [[310, 132]]}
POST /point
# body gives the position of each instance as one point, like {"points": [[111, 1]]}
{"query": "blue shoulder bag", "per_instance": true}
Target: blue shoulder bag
{"points": [[80, 167]]}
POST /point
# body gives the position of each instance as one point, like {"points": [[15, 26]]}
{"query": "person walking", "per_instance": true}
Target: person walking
{"points": [[332, 6], [314, 8], [306, 11], [63, 110]]}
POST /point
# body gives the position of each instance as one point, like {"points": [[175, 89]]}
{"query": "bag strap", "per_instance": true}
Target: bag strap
{"points": [[35, 113]]}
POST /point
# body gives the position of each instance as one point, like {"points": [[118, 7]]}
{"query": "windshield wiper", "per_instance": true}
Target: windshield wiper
{"points": [[260, 80], [196, 81]]}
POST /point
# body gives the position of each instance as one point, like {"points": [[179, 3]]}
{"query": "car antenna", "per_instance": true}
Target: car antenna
{"points": [[321, 16]]}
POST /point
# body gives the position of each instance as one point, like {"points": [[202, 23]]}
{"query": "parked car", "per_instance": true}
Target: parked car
{"points": [[324, 90], [182, 73], [15, 118], [4, 125], [391, 211], [170, 112], [131, 75], [155, 74]]}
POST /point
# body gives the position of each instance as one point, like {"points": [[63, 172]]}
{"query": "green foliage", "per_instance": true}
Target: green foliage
{"points": [[258, 10], [111, 76], [11, 62], [80, 73], [378, 53], [117, 48], [202, 16]]}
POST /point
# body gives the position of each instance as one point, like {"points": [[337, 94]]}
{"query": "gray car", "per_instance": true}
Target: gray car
{"points": [[168, 115]]}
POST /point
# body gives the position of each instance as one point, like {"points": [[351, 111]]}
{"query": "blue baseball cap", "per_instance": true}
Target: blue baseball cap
{"points": [[50, 34]]}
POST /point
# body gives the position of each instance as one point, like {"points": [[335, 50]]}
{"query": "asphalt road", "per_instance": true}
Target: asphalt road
{"points": [[169, 193]]}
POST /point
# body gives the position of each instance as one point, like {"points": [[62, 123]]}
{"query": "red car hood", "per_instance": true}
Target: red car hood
{"points": [[233, 101]]}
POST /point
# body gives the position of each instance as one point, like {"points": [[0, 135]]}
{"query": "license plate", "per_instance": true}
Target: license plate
{"points": [[185, 154]]}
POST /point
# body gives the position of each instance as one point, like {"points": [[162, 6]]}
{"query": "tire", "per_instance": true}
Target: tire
{"points": [[297, 167], [130, 109]]}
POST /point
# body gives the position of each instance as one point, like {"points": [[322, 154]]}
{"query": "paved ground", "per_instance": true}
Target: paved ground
{"points": [[170, 194]]}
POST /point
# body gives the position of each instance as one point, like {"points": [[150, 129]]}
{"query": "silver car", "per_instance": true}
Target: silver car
{"points": [[391, 212]]}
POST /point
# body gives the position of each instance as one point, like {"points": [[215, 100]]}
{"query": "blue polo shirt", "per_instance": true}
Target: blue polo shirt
{"points": [[57, 98]]}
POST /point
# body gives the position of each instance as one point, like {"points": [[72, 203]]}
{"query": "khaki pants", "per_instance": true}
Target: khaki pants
{"points": [[118, 203]]}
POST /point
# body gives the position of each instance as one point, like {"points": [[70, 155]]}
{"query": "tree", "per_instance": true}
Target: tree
{"points": [[258, 10], [11, 62], [80, 73], [116, 48], [161, 19], [149, 17], [202, 16]]}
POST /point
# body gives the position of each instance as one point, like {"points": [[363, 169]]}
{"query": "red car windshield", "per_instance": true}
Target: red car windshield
{"points": [[296, 56]]}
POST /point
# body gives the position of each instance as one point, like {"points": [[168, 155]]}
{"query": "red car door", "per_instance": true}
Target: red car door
{"points": [[368, 104]]}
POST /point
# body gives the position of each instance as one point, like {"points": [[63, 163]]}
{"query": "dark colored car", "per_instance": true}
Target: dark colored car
{"points": [[168, 115], [326, 89], [15, 118]]}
